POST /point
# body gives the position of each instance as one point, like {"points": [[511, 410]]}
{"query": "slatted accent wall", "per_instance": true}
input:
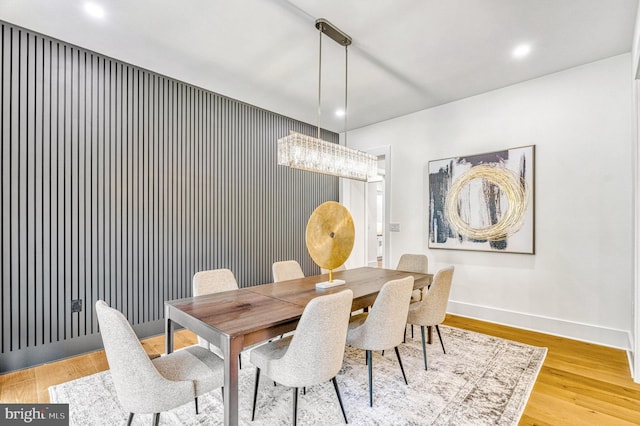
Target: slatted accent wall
{"points": [[119, 184]]}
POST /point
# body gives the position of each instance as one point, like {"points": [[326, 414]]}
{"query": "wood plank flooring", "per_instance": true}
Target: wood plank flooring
{"points": [[579, 383]]}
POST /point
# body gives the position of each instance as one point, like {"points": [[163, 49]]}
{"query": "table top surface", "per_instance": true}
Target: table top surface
{"points": [[246, 310]]}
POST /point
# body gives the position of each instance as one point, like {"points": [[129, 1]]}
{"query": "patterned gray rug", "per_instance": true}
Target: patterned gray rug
{"points": [[481, 380]]}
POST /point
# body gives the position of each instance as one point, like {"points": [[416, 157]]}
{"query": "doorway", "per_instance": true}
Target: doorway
{"points": [[375, 220], [377, 212]]}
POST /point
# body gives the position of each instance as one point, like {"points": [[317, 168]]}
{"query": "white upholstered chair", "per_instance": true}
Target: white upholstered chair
{"points": [[213, 281], [383, 326], [286, 270], [314, 354], [145, 386], [431, 310], [209, 282], [414, 263]]}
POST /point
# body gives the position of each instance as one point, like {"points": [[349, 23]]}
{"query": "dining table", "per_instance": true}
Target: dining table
{"points": [[233, 320]]}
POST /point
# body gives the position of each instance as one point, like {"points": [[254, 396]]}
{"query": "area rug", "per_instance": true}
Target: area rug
{"points": [[481, 380]]}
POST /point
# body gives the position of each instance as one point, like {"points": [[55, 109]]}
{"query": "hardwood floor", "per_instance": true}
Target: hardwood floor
{"points": [[579, 383]]}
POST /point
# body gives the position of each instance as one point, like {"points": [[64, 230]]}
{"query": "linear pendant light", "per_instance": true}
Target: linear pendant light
{"points": [[304, 152]]}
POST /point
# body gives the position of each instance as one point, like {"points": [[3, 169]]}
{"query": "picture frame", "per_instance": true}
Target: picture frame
{"points": [[483, 202]]}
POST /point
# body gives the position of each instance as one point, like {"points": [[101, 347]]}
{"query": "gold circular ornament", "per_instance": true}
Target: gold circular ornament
{"points": [[330, 235], [514, 190]]}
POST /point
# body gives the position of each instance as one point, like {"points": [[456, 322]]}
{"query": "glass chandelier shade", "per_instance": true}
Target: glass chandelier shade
{"points": [[304, 152]]}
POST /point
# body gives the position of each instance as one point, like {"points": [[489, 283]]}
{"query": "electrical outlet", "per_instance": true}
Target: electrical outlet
{"points": [[76, 305], [394, 227]]}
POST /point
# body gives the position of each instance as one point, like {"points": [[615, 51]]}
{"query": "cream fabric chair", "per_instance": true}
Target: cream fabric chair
{"points": [[383, 326], [414, 263], [286, 270], [213, 281], [151, 386], [208, 282], [432, 309], [314, 354]]}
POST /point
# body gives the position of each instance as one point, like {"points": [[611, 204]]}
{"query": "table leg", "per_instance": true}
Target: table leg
{"points": [[231, 348], [168, 334]]}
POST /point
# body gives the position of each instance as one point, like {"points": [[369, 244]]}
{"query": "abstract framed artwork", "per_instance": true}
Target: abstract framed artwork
{"points": [[483, 202]]}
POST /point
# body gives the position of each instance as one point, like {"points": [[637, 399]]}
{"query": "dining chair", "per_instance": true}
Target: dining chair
{"points": [[145, 386], [414, 263], [209, 282], [383, 326], [313, 354], [213, 281], [431, 310], [286, 270]]}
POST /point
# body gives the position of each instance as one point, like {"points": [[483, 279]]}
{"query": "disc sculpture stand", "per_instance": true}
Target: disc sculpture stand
{"points": [[330, 235]]}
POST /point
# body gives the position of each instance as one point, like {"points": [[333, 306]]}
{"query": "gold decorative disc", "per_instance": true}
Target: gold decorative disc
{"points": [[330, 235]]}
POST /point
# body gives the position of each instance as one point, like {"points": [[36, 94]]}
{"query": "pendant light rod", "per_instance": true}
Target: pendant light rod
{"points": [[319, 81], [340, 37], [332, 31], [346, 82]]}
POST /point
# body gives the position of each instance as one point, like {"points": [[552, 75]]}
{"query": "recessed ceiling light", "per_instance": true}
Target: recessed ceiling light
{"points": [[340, 113], [521, 51], [94, 10]]}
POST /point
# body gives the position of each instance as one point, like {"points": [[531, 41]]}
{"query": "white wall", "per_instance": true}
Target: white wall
{"points": [[580, 281], [634, 354]]}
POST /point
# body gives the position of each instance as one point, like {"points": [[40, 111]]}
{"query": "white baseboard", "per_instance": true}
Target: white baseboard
{"points": [[631, 366], [631, 356], [619, 339]]}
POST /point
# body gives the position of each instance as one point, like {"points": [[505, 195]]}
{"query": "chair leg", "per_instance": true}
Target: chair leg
{"points": [[255, 394], [335, 385], [156, 419], [295, 406], [424, 349], [196, 401], [401, 368], [130, 419], [440, 337], [369, 362], [240, 361], [412, 331], [222, 392]]}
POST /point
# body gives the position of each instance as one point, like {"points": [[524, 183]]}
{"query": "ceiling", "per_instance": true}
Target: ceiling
{"points": [[407, 55]]}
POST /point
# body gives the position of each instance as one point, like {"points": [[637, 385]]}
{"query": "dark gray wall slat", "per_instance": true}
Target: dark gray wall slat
{"points": [[120, 184]]}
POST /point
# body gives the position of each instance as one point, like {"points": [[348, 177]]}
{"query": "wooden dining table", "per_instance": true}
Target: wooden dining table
{"points": [[233, 320]]}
